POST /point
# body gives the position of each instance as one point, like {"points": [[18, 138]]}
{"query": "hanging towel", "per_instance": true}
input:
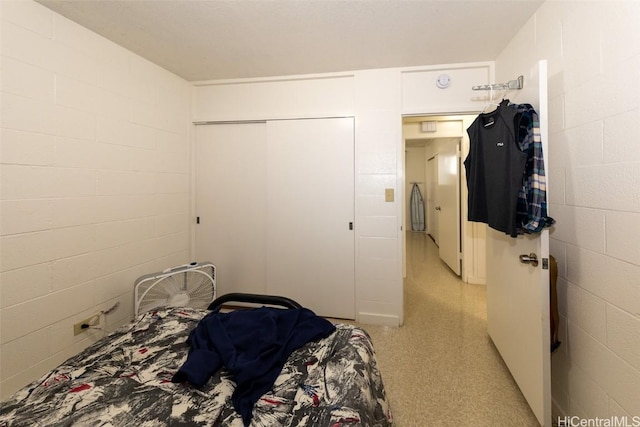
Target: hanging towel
{"points": [[417, 209]]}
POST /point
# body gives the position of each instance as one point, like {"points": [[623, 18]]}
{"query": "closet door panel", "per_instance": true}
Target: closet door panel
{"points": [[231, 204], [310, 205]]}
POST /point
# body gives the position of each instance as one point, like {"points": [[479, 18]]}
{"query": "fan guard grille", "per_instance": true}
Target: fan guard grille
{"points": [[192, 285]]}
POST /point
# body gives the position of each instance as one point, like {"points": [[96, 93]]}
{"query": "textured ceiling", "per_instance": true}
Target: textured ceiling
{"points": [[225, 39]]}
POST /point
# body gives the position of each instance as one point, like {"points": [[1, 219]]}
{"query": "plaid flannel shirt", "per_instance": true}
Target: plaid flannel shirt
{"points": [[532, 199]]}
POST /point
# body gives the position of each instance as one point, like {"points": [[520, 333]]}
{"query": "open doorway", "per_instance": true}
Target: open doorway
{"points": [[435, 147]]}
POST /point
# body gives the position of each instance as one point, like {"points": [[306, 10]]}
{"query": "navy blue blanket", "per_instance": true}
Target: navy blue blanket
{"points": [[253, 345]]}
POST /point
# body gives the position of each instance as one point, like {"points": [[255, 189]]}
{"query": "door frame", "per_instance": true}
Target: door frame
{"points": [[472, 235]]}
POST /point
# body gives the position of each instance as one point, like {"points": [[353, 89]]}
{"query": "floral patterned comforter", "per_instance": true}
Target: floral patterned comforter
{"points": [[125, 380]]}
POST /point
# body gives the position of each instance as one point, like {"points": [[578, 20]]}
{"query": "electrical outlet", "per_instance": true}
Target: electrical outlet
{"points": [[89, 321]]}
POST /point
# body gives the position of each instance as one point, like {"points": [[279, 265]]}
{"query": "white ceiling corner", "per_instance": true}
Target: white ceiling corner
{"points": [[225, 39]]}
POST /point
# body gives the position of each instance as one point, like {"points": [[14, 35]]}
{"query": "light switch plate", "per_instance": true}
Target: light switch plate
{"points": [[388, 195]]}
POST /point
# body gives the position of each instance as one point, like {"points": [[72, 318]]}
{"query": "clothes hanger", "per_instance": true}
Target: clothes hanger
{"points": [[490, 103]]}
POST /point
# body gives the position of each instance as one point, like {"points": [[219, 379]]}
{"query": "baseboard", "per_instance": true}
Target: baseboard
{"points": [[378, 319], [477, 280]]}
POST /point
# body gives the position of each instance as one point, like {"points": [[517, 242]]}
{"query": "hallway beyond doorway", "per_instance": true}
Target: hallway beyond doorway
{"points": [[440, 368]]}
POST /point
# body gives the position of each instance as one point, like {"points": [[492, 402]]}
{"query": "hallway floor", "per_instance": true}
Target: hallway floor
{"points": [[440, 368]]}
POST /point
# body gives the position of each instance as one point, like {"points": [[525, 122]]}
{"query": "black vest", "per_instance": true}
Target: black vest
{"points": [[495, 168]]}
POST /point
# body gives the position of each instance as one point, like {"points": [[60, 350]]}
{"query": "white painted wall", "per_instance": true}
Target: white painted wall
{"points": [[95, 184], [377, 99], [96, 174], [373, 98], [593, 52], [96, 193]]}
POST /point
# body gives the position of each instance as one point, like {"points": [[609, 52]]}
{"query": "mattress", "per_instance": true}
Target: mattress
{"points": [[125, 380]]}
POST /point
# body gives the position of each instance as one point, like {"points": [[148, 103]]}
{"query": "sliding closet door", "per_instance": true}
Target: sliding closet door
{"points": [[310, 209], [275, 202], [231, 204]]}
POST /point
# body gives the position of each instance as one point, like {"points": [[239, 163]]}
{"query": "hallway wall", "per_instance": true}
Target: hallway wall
{"points": [[593, 53]]}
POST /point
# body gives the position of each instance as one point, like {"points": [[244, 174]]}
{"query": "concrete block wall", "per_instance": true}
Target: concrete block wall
{"points": [[95, 176], [593, 53], [94, 184]]}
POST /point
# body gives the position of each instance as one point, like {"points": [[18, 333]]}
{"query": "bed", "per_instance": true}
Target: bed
{"points": [[125, 379]]}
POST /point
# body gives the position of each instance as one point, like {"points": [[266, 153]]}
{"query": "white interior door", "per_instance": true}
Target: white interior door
{"points": [[310, 244], [432, 199], [517, 293], [448, 208], [231, 204]]}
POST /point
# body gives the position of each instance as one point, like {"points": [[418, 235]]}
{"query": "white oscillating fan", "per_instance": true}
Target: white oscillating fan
{"points": [[190, 285]]}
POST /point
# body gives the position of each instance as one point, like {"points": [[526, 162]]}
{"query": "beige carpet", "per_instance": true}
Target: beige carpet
{"points": [[440, 368]]}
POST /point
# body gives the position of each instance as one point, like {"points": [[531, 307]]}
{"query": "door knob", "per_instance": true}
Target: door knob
{"points": [[438, 208], [532, 259]]}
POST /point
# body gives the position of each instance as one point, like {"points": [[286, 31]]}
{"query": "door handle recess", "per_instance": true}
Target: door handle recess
{"points": [[532, 259]]}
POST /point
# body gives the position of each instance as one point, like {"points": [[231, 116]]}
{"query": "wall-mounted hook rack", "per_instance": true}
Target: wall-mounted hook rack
{"points": [[516, 84]]}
